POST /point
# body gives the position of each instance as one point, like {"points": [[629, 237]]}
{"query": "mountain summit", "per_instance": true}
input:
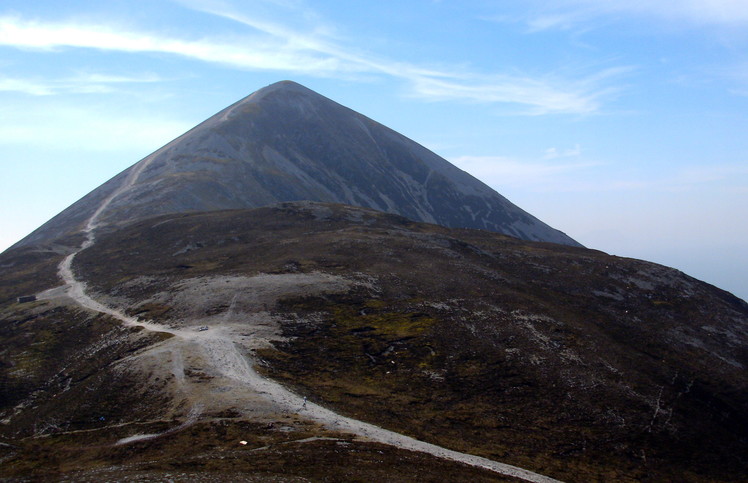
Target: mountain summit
{"points": [[287, 143]]}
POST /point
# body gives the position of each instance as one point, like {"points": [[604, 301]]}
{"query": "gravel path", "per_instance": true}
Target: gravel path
{"points": [[222, 353]]}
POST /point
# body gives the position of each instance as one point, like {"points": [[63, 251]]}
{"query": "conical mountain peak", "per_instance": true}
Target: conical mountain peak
{"points": [[286, 142], [286, 87], [283, 91], [287, 95]]}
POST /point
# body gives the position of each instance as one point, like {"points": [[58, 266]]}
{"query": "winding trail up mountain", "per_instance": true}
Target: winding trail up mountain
{"points": [[222, 353]]}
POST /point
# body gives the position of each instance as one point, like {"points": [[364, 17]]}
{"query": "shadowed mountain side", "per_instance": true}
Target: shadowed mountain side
{"points": [[288, 143]]}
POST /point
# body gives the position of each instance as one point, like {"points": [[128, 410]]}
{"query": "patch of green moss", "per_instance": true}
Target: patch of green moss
{"points": [[661, 303], [379, 322]]}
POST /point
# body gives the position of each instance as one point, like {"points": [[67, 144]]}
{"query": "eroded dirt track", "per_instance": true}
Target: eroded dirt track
{"points": [[225, 350]]}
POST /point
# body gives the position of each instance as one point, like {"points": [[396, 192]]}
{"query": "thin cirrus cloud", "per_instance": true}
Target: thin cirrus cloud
{"points": [[32, 127], [561, 170], [540, 95], [504, 171], [19, 33], [80, 84], [566, 14], [271, 46], [26, 86], [553, 153]]}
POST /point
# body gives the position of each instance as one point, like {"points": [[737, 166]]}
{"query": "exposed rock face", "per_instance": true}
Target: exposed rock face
{"points": [[288, 143]]}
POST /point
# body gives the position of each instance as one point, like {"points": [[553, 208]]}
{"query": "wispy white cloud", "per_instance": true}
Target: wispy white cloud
{"points": [[25, 86], [567, 20], [271, 45], [566, 14], [257, 53], [554, 153], [99, 78], [504, 171], [717, 12], [563, 170], [86, 128], [542, 95], [79, 84]]}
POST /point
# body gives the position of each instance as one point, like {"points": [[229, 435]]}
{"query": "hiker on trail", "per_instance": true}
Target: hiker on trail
{"points": [[303, 406]]}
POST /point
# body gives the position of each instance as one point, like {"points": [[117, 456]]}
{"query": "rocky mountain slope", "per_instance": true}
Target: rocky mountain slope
{"points": [[173, 338], [288, 143], [562, 360]]}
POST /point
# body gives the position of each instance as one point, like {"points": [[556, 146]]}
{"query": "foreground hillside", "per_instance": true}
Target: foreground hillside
{"points": [[562, 360]]}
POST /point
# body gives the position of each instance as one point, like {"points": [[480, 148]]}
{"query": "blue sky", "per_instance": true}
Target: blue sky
{"points": [[622, 123]]}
